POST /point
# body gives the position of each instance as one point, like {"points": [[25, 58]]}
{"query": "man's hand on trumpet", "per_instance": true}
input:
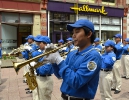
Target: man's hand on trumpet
{"points": [[27, 48], [53, 57]]}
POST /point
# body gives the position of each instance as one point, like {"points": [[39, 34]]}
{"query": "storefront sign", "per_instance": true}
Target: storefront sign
{"points": [[86, 8], [90, 9]]}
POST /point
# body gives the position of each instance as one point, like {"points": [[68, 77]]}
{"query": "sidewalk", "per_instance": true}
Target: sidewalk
{"points": [[12, 87]]}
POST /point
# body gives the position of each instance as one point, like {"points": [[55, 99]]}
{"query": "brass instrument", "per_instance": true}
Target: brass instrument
{"points": [[30, 76], [18, 66], [44, 62], [31, 79], [18, 50]]}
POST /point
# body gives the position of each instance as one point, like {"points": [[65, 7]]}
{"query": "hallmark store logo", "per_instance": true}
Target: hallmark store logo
{"points": [[86, 8]]}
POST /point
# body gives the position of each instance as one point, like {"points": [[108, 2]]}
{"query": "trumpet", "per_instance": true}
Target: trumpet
{"points": [[15, 51], [18, 66]]}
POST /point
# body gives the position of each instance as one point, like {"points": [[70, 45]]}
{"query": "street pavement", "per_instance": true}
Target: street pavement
{"points": [[13, 88]]}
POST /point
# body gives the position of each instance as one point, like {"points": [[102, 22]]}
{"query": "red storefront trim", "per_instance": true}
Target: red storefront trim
{"points": [[15, 6]]}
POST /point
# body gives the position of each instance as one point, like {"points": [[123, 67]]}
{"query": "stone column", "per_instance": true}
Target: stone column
{"points": [[36, 25]]}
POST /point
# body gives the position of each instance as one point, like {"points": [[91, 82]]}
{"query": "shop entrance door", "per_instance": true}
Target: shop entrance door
{"points": [[23, 32], [60, 35]]}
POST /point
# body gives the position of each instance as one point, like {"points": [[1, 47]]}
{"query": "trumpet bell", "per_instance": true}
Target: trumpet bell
{"points": [[17, 66]]}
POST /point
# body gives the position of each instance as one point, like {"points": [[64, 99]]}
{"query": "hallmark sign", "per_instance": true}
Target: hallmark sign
{"points": [[86, 8]]}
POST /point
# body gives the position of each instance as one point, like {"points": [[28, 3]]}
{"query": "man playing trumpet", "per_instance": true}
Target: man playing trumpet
{"points": [[44, 72], [80, 70], [28, 47]]}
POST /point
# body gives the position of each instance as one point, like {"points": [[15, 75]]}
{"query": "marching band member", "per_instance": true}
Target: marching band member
{"points": [[70, 45], [34, 54], [29, 48], [116, 86], [106, 76], [125, 59], [44, 73], [97, 45], [60, 42], [69, 48], [80, 70], [0, 62]]}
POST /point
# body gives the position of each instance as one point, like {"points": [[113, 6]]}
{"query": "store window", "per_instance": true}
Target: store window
{"points": [[108, 2], [26, 18], [109, 27], [91, 1], [111, 1], [10, 18], [58, 23], [94, 19], [16, 18]]}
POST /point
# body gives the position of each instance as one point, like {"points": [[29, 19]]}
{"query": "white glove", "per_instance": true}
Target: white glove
{"points": [[50, 47], [97, 49], [33, 64], [54, 58], [27, 48]]}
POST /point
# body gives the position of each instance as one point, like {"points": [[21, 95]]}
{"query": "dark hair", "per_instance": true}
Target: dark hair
{"points": [[44, 42], [87, 30], [114, 49]]}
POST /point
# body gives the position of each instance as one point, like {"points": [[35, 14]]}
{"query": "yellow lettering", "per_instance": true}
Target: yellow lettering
{"points": [[86, 8], [103, 11], [95, 10]]}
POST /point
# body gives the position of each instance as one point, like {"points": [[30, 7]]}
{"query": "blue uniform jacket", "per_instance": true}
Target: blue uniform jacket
{"points": [[98, 47], [119, 49], [125, 49], [78, 79], [108, 60], [0, 53], [45, 69], [25, 53]]}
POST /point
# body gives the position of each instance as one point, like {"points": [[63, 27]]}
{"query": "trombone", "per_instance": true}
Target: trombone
{"points": [[18, 66]]}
